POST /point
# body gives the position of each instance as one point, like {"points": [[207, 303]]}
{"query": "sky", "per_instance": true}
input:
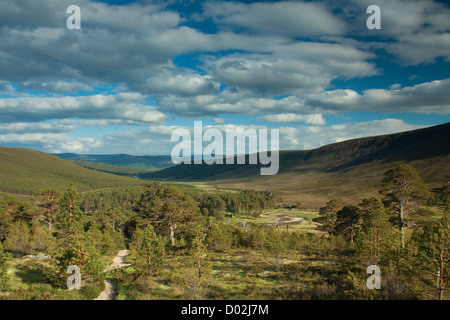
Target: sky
{"points": [[137, 70]]}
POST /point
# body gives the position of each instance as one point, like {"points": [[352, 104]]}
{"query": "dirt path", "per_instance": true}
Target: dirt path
{"points": [[110, 292], [280, 219]]}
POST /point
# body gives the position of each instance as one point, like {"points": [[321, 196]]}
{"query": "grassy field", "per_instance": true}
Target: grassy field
{"points": [[270, 216], [25, 171], [235, 275], [28, 280]]}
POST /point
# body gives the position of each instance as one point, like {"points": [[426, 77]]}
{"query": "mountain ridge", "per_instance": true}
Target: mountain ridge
{"points": [[329, 171]]}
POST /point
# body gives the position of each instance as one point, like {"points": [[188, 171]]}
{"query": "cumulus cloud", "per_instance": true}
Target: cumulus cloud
{"points": [[417, 31], [56, 86], [186, 84], [271, 75], [286, 18], [277, 61], [50, 142], [6, 88], [125, 106], [314, 119], [156, 139], [212, 105], [23, 127], [428, 97]]}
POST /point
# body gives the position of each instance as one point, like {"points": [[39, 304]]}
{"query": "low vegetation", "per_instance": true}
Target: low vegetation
{"points": [[24, 172], [189, 243]]}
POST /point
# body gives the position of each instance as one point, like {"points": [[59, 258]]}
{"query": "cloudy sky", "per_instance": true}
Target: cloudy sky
{"points": [[137, 70]]}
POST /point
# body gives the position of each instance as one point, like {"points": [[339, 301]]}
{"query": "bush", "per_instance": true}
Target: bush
{"points": [[92, 291]]}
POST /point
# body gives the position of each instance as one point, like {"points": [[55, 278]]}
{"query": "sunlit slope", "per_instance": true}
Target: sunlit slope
{"points": [[140, 163], [25, 171], [351, 169]]}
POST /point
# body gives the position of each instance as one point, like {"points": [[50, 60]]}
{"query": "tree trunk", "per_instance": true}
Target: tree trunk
{"points": [[402, 229], [149, 260], [441, 284], [172, 235]]}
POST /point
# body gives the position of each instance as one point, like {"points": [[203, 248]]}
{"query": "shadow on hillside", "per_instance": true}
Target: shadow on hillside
{"points": [[31, 274]]}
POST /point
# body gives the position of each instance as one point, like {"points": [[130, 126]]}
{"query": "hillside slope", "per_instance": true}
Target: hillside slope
{"points": [[142, 163], [351, 169], [25, 171]]}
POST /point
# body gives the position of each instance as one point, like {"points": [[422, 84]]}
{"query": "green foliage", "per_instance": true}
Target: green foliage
{"points": [[199, 253], [27, 171], [81, 254], [378, 242], [16, 210], [4, 257], [434, 256], [69, 219], [328, 215], [250, 202], [48, 202], [41, 239], [348, 220], [168, 209], [151, 249], [219, 237], [18, 238], [403, 189]]}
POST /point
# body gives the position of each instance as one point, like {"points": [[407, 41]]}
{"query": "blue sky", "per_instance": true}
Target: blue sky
{"points": [[137, 70]]}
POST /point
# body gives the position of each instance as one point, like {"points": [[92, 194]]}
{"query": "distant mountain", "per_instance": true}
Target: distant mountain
{"points": [[142, 163], [351, 169], [25, 171], [121, 171]]}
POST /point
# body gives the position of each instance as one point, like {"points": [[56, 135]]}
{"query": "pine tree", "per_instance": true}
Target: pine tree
{"points": [[81, 254], [219, 238], [48, 201], [403, 188], [377, 243], [4, 257], [152, 249], [18, 238], [168, 209], [200, 257], [328, 215], [434, 255], [69, 218], [348, 220], [41, 239]]}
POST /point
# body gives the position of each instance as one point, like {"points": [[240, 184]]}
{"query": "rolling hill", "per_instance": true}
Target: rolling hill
{"points": [[142, 163], [351, 169], [98, 166], [25, 171]]}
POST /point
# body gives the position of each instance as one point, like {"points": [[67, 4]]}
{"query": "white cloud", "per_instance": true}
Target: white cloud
{"points": [[211, 105], [417, 31], [314, 119], [286, 18], [50, 142], [186, 84], [56, 86], [267, 74], [428, 97], [6, 88], [124, 106], [23, 127]]}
